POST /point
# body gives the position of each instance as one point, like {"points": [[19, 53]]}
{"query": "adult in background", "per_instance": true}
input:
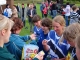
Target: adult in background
{"points": [[8, 11], [18, 9], [23, 11], [14, 11], [67, 13], [78, 11], [31, 12], [54, 9], [41, 8]]}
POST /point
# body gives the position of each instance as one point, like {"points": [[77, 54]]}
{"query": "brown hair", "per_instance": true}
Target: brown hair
{"points": [[14, 5], [46, 22], [18, 24], [36, 18], [71, 32], [59, 19], [74, 7]]}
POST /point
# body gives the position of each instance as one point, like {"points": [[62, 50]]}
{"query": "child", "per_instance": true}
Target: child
{"points": [[5, 27], [46, 25], [45, 11], [16, 43], [70, 34], [37, 26], [74, 17]]}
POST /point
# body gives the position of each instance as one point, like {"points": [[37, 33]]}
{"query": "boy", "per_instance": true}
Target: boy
{"points": [[74, 17], [37, 26], [70, 34]]}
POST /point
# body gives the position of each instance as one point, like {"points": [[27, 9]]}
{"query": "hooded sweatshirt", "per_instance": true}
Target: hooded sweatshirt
{"points": [[5, 55]]}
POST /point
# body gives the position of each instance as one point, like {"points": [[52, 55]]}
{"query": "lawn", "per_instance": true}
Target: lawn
{"points": [[27, 31]]}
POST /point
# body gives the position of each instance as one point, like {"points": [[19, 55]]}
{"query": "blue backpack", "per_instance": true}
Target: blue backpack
{"points": [[5, 13]]}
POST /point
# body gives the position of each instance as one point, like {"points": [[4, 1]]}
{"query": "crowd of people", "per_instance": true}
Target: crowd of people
{"points": [[58, 37]]}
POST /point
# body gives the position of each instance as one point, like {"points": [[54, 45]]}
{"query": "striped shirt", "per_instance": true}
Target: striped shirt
{"points": [[74, 17]]}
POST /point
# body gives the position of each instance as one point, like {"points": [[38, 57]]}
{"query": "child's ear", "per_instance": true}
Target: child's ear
{"points": [[3, 32]]}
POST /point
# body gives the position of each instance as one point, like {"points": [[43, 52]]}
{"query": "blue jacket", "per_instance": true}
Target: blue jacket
{"points": [[16, 43]]}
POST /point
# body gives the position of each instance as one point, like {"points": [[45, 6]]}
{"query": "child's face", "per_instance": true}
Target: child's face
{"points": [[37, 24], [77, 51], [57, 27], [18, 31], [44, 28], [72, 43]]}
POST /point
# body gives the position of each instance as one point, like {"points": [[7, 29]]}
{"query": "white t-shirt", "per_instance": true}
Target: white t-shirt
{"points": [[67, 10], [9, 11]]}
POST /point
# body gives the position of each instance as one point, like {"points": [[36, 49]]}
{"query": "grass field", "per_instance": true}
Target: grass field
{"points": [[27, 31]]}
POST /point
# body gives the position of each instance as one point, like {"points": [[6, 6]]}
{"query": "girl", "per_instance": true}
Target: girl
{"points": [[55, 47], [5, 27]]}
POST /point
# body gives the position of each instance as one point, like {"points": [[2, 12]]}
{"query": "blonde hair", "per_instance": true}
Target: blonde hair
{"points": [[59, 19], [71, 32], [5, 23], [77, 40]]}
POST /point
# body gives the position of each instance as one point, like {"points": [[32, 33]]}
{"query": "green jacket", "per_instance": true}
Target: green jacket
{"points": [[5, 55], [35, 59]]}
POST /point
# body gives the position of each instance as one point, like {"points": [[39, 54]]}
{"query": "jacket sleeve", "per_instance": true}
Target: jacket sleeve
{"points": [[25, 38], [35, 59]]}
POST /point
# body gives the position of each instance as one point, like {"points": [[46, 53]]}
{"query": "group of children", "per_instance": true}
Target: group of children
{"points": [[58, 43]]}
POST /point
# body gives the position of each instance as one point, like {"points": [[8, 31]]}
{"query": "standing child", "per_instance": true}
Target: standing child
{"points": [[45, 11], [74, 17]]}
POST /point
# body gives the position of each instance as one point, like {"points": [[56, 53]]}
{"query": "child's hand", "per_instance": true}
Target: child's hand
{"points": [[44, 42], [33, 37]]}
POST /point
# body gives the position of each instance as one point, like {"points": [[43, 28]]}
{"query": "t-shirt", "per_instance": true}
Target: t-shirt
{"points": [[57, 50], [71, 54], [37, 31], [40, 39], [23, 12], [74, 17]]}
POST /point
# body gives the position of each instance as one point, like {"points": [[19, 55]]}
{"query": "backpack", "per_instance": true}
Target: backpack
{"points": [[5, 13]]}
